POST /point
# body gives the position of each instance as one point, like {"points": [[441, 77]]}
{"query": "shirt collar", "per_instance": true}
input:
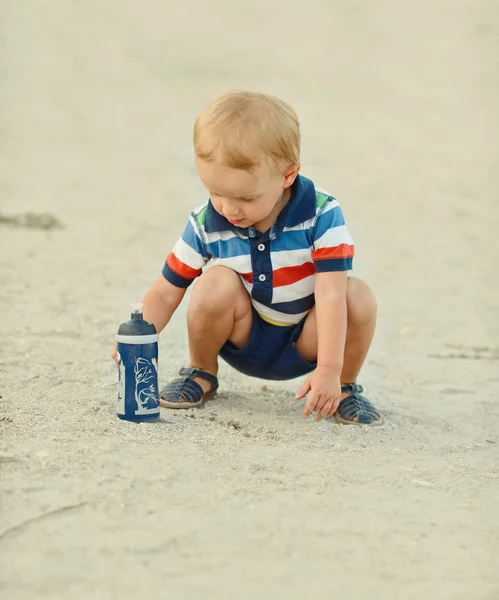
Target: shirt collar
{"points": [[301, 206]]}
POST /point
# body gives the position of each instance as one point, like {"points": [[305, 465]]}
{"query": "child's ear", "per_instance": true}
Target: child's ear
{"points": [[290, 176]]}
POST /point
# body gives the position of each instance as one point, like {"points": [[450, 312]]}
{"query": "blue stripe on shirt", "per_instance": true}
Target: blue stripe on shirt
{"points": [[234, 246], [191, 238], [333, 264], [175, 279], [294, 307], [292, 240], [333, 218]]}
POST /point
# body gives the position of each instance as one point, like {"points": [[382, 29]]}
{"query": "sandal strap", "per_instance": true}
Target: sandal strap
{"points": [[184, 388], [352, 388], [356, 405], [191, 372]]}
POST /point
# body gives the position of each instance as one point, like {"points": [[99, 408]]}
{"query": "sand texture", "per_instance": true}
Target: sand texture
{"points": [[244, 498]]}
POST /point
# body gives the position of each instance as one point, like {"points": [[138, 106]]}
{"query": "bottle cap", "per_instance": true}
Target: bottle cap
{"points": [[137, 325], [137, 310]]}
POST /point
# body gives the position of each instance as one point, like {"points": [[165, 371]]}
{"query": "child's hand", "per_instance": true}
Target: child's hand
{"points": [[114, 355], [325, 392]]}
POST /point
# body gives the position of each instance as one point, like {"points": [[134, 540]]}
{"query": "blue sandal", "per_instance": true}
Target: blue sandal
{"points": [[184, 392], [356, 405]]}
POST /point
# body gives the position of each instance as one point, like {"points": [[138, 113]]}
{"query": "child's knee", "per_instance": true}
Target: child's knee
{"points": [[361, 303], [215, 290]]}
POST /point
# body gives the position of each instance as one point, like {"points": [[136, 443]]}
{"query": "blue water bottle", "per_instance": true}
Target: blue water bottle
{"points": [[138, 392]]}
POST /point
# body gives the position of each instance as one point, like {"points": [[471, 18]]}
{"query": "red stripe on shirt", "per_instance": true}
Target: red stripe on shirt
{"points": [[341, 251], [289, 275], [286, 275], [180, 268]]}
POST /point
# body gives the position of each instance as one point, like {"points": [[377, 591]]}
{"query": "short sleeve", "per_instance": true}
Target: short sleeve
{"points": [[188, 257], [333, 247]]}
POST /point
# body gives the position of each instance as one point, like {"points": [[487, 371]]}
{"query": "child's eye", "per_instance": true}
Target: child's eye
{"points": [[246, 199]]}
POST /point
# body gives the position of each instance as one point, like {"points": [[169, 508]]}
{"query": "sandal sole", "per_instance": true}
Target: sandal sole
{"points": [[343, 421], [181, 405]]}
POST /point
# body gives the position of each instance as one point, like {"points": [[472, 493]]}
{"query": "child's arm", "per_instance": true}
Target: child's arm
{"points": [[331, 306], [323, 385], [158, 306], [182, 266], [161, 301], [333, 251]]}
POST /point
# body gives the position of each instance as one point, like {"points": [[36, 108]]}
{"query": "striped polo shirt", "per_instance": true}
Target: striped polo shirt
{"points": [[277, 267]]}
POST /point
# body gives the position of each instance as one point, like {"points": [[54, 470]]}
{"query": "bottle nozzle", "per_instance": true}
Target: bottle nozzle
{"points": [[137, 310]]}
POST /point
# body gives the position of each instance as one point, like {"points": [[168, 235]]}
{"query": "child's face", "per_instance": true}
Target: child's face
{"points": [[245, 198]]}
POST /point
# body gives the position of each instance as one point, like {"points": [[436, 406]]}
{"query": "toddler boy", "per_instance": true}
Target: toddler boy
{"points": [[271, 252]]}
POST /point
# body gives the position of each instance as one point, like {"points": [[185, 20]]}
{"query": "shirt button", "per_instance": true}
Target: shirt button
{"points": [[262, 277], [261, 247]]}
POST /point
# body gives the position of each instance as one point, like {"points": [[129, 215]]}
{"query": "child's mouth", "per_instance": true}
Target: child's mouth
{"points": [[236, 221]]}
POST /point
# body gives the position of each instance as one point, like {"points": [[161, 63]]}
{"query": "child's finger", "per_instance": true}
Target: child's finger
{"points": [[325, 411], [334, 407], [114, 354], [311, 404], [303, 391]]}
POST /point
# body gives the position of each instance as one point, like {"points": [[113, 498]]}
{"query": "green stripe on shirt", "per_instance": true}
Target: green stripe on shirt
{"points": [[321, 199], [201, 217]]}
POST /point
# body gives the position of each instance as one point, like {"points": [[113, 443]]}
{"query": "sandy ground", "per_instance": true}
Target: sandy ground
{"points": [[244, 498]]}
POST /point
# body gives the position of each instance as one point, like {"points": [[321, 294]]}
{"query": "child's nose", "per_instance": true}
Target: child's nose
{"points": [[231, 212]]}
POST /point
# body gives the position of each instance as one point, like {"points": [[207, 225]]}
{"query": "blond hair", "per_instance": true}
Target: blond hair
{"points": [[243, 128]]}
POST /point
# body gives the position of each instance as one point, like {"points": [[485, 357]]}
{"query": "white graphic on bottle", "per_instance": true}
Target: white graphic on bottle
{"points": [[121, 385], [146, 393]]}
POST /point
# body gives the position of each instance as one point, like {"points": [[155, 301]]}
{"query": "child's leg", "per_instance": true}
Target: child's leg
{"points": [[361, 323], [219, 310]]}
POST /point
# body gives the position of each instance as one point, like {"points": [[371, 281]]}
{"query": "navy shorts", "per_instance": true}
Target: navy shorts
{"points": [[270, 352]]}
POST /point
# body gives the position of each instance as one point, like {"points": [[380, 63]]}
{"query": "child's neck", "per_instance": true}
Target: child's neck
{"points": [[266, 224]]}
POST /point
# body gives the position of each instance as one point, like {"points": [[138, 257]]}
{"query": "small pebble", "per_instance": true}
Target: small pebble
{"points": [[421, 483]]}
